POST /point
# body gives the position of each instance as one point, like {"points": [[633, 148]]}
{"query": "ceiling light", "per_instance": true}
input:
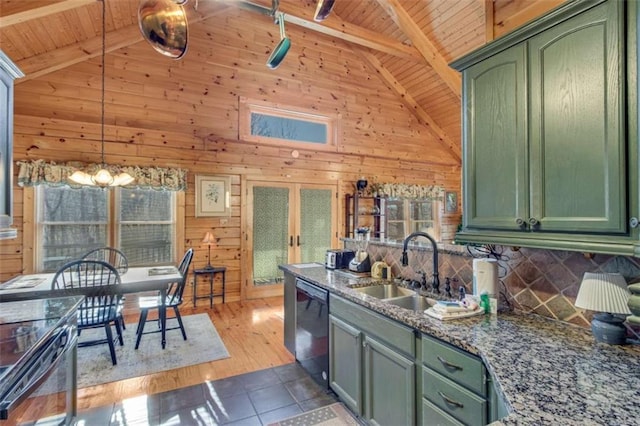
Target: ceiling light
{"points": [[283, 46], [323, 9], [102, 177]]}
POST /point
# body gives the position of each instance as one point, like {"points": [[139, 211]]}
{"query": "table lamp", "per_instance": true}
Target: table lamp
{"points": [[209, 240], [606, 294]]}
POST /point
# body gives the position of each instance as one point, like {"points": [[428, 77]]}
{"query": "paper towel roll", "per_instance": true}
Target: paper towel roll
{"points": [[485, 277]]}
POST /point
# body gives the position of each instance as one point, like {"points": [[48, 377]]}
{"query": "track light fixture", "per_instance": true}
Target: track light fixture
{"points": [[283, 46], [163, 24], [323, 9]]}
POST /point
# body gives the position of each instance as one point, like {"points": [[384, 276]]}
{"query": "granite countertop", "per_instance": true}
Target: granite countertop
{"points": [[548, 372]]}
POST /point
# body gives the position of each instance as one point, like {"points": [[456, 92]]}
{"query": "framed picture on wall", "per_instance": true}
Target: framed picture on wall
{"points": [[213, 195], [451, 202]]}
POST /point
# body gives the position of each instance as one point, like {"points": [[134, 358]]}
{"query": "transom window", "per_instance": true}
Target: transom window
{"points": [[270, 123], [71, 221]]}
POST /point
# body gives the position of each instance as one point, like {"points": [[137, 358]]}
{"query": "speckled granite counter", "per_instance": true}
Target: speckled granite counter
{"points": [[548, 372]]}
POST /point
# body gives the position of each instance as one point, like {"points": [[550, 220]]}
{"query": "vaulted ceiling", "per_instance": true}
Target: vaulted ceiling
{"points": [[407, 42]]}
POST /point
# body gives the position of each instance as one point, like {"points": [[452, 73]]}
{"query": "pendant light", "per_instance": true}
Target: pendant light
{"points": [[102, 177]]}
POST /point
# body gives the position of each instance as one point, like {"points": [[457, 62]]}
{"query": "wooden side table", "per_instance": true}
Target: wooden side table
{"points": [[211, 273]]}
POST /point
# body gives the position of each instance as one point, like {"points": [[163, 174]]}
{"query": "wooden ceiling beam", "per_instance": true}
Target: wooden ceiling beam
{"points": [[63, 57], [423, 44], [423, 116], [488, 8], [334, 26], [41, 12]]}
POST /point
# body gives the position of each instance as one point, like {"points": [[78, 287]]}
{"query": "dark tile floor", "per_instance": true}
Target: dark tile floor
{"points": [[257, 398]]}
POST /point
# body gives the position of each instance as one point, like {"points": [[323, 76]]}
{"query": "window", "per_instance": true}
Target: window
{"points": [[406, 216], [269, 123], [72, 221]]}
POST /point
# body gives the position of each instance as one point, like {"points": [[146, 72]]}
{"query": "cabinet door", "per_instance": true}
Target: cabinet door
{"points": [[577, 124], [389, 385], [345, 363], [495, 153]]}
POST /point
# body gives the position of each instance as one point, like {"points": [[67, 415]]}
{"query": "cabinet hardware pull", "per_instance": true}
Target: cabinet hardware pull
{"points": [[634, 222], [450, 401], [533, 221], [519, 222], [449, 365], [290, 240], [298, 240]]}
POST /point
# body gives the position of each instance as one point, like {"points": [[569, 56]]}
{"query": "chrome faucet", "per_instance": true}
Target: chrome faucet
{"points": [[435, 284]]}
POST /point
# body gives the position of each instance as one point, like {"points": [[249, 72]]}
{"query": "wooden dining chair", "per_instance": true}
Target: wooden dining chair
{"points": [[173, 300], [98, 282]]}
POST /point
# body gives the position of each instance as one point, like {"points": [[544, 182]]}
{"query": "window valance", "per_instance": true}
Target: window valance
{"points": [[40, 172], [406, 191]]}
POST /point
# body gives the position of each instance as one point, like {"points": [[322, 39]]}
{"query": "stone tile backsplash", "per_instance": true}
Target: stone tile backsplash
{"points": [[531, 280]]}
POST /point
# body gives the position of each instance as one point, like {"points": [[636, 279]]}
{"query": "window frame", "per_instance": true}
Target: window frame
{"points": [[248, 106], [31, 254], [116, 224], [409, 222]]}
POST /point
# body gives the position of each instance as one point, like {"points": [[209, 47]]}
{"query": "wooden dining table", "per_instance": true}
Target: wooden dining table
{"points": [[135, 280]]}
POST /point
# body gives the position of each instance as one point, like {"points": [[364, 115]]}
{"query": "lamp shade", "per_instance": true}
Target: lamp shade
{"points": [[209, 239], [604, 292]]}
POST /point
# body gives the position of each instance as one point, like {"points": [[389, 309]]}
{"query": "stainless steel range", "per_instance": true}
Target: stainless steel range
{"points": [[38, 341]]}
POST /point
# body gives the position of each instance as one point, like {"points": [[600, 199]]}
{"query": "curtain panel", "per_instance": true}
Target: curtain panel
{"points": [[40, 172]]}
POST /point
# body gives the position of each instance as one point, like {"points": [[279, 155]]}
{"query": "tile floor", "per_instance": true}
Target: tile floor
{"points": [[256, 398]]}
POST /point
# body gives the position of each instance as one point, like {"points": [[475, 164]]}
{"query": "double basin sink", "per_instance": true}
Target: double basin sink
{"points": [[394, 294]]}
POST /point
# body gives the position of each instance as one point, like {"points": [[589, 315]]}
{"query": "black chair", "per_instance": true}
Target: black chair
{"points": [[112, 256], [173, 300], [98, 281], [115, 258]]}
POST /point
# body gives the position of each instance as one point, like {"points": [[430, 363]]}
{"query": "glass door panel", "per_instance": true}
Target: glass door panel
{"points": [[270, 233], [315, 224]]}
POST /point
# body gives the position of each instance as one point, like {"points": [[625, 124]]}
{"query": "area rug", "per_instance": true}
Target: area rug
{"points": [[203, 344], [330, 415]]}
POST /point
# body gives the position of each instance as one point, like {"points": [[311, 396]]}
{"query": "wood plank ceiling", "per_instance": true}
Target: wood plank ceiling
{"points": [[408, 43]]}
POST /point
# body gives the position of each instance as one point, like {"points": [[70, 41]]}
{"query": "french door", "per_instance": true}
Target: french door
{"points": [[286, 223]]}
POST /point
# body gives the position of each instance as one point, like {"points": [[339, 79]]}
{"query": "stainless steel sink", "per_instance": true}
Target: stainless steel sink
{"points": [[385, 291], [414, 302]]}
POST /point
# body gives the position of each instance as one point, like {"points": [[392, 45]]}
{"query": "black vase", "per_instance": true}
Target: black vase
{"points": [[361, 184]]}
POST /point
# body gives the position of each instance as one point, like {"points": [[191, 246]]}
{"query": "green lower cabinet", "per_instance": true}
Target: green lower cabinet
{"points": [[460, 403], [345, 363], [389, 385], [433, 416], [372, 366]]}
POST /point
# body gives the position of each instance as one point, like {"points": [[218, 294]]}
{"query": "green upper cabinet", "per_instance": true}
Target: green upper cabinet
{"points": [[549, 133], [577, 123], [495, 172]]}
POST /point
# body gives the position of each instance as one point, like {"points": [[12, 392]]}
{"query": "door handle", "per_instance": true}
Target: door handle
{"points": [[298, 240], [290, 240]]}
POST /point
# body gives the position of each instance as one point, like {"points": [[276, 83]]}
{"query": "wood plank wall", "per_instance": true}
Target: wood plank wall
{"points": [[185, 114]]}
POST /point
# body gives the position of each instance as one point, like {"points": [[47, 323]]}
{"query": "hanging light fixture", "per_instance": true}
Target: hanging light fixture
{"points": [[323, 9], [102, 177], [163, 24], [283, 45]]}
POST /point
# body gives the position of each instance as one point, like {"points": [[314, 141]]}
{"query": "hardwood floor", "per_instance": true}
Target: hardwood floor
{"points": [[251, 330]]}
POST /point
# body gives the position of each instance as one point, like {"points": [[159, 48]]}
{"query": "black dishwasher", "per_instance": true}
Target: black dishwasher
{"points": [[312, 330]]}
